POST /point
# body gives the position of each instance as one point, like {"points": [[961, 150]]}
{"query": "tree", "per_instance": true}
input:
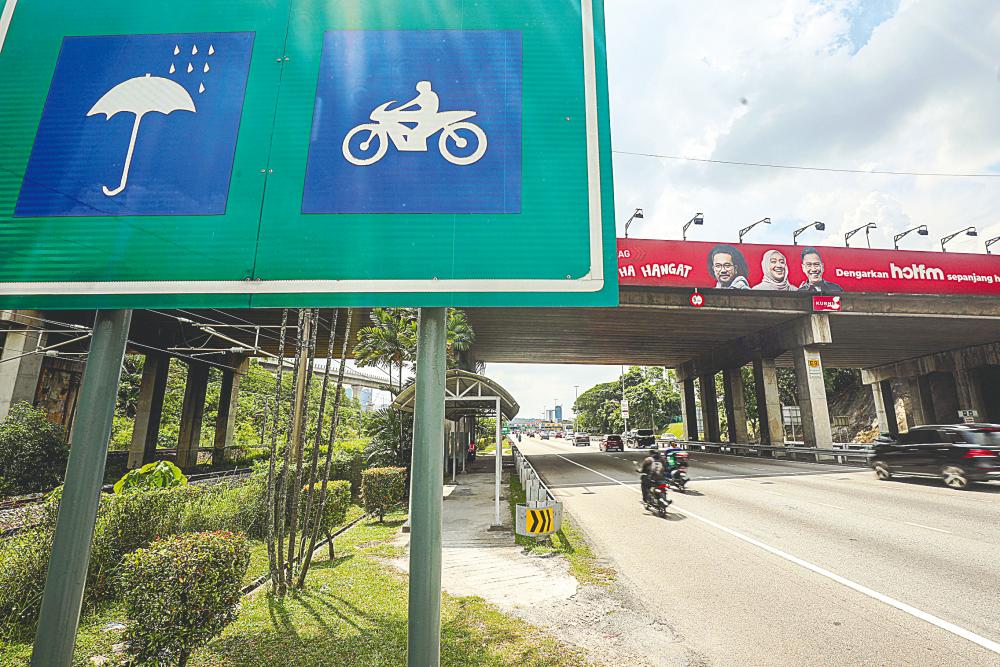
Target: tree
{"points": [[654, 402], [389, 342]]}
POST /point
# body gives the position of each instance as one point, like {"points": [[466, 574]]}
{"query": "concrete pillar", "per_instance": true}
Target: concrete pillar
{"points": [[710, 408], [229, 394], [149, 410], [19, 377], [970, 394], [816, 428], [736, 409], [765, 379], [921, 402], [885, 407], [192, 411], [689, 406]]}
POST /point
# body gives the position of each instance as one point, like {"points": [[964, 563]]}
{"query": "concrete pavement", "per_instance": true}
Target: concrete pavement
{"points": [[777, 563]]}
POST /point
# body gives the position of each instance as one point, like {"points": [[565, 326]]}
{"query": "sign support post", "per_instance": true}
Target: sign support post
{"points": [[499, 469], [426, 489], [67, 575]]}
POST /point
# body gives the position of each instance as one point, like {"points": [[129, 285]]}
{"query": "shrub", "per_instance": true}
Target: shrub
{"points": [[180, 592], [382, 489], [33, 451], [155, 475], [338, 499], [237, 507], [24, 560], [347, 465]]}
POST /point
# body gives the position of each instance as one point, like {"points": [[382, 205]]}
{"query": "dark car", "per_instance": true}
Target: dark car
{"points": [[645, 438], [612, 442], [959, 454], [581, 440]]}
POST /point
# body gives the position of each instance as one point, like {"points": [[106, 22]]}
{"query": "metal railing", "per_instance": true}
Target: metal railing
{"points": [[535, 490], [849, 454]]}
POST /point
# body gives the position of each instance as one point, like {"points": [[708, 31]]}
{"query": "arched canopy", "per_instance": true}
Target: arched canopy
{"points": [[465, 395]]}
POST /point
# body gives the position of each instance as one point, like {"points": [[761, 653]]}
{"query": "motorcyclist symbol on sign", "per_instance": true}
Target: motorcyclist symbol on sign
{"points": [[409, 127]]}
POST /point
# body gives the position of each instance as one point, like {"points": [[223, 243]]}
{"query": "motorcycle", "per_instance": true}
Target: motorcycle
{"points": [[658, 501], [678, 479]]}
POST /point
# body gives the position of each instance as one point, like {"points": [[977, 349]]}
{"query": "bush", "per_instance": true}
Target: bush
{"points": [[237, 507], [338, 500], [347, 465], [33, 451], [24, 560], [155, 475], [180, 592], [382, 489]]}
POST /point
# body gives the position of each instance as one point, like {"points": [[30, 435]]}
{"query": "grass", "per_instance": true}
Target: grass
{"points": [[568, 542], [491, 447], [353, 611]]}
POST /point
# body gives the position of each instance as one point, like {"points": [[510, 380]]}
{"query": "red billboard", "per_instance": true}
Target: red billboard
{"points": [[817, 270]]}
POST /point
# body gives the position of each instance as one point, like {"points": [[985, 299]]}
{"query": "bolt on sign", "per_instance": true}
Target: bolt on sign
{"points": [[233, 153]]}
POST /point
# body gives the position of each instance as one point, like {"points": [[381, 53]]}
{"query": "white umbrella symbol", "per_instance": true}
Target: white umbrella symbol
{"points": [[140, 96]]}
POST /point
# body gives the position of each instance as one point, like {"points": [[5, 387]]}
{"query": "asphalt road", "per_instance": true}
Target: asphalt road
{"points": [[781, 563]]}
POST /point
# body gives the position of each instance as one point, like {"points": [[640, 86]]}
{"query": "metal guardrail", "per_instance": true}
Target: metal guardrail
{"points": [[858, 454], [535, 490]]}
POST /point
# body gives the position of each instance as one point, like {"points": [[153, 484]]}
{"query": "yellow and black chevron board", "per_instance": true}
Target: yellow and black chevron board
{"points": [[539, 521]]}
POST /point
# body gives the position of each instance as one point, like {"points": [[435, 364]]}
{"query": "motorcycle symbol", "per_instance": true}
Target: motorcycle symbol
{"points": [[409, 130]]}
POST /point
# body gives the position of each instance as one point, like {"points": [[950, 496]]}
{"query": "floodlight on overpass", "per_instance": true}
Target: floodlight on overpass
{"points": [[820, 227], [990, 243], [921, 231], [968, 231], [635, 216], [746, 230], [698, 219], [867, 230]]}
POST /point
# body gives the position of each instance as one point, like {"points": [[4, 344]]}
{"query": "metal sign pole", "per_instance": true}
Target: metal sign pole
{"points": [[426, 489], [499, 467], [67, 575]]}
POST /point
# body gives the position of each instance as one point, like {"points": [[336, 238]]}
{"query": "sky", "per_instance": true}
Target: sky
{"points": [[893, 85]]}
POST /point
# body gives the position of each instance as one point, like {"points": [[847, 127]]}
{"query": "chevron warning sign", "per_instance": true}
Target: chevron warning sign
{"points": [[539, 521]]}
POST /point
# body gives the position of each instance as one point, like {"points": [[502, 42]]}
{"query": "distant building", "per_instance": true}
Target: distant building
{"points": [[549, 415], [365, 397], [558, 415]]}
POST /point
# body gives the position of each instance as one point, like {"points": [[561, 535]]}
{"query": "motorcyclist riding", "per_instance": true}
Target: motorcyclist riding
{"points": [[652, 472]]}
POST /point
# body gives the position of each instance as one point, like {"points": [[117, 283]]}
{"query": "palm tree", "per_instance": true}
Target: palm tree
{"points": [[389, 342], [460, 335]]}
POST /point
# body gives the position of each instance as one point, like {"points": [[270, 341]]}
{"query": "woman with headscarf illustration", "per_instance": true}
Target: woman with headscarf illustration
{"points": [[729, 268], [775, 268]]}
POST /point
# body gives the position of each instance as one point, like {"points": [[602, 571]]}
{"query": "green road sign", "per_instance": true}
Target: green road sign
{"points": [[233, 153]]}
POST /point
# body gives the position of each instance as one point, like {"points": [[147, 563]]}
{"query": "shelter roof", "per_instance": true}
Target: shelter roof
{"points": [[465, 394]]}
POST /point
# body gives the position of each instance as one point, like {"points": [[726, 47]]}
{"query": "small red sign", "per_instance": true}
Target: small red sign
{"points": [[697, 300], [828, 304]]}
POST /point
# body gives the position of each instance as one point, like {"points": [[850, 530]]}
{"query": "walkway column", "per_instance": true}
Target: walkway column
{"points": [[921, 400], [816, 428], [192, 411], [19, 377], [229, 394], [710, 408], [885, 407], [149, 409], [736, 409], [970, 394], [765, 380], [689, 406]]}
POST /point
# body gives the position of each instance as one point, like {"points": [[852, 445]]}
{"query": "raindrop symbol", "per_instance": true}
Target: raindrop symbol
{"points": [[211, 50], [194, 50], [172, 68], [177, 50], [201, 88], [207, 67], [190, 68]]}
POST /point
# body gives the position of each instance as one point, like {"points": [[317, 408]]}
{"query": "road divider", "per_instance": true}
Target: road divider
{"points": [[541, 515]]}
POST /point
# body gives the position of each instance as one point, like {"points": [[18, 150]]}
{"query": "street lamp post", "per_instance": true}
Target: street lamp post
{"points": [[635, 216], [576, 397], [820, 227], [968, 231], [867, 229], [698, 219], [745, 230], [921, 231], [990, 243]]}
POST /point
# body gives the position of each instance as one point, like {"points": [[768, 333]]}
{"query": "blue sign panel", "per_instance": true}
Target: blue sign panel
{"points": [[139, 125], [417, 122]]}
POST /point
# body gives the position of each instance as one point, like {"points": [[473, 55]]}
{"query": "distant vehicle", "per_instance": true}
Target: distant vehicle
{"points": [[581, 440], [544, 436], [959, 454], [612, 441], [669, 437], [644, 438]]}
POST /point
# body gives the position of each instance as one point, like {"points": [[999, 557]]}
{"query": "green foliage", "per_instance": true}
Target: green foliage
{"points": [[238, 508], [155, 475], [24, 560], [654, 402], [338, 500], [180, 592], [386, 447], [33, 451], [382, 489]]}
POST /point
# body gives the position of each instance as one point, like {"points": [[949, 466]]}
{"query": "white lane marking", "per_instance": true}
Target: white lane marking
{"points": [[920, 525], [5, 18], [836, 507], [959, 631]]}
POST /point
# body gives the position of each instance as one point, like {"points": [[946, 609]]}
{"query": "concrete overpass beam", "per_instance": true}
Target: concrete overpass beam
{"points": [[970, 392], [229, 394], [192, 413], [19, 368], [710, 408], [816, 428], [921, 403], [146, 430], [736, 409], [765, 378], [885, 407], [689, 406]]}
